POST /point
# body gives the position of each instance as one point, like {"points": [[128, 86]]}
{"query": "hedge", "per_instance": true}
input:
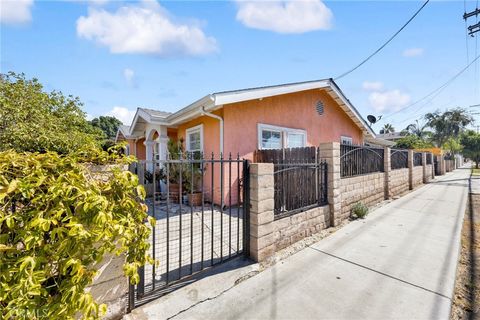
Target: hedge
{"points": [[56, 221]]}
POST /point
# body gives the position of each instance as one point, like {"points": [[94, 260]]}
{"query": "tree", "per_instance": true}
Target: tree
{"points": [[417, 129], [387, 128], [109, 125], [452, 146], [34, 120], [451, 123], [412, 142], [470, 141]]}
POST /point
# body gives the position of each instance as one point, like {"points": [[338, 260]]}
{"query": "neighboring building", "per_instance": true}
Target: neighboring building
{"points": [[378, 142], [392, 136], [241, 121]]}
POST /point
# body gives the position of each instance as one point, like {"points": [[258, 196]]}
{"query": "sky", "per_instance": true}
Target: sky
{"points": [[120, 55]]}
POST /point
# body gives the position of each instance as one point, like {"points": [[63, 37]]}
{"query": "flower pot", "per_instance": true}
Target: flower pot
{"points": [[174, 192], [195, 199], [149, 189]]}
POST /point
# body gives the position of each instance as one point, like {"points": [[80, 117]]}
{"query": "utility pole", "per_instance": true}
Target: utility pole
{"points": [[474, 28]]}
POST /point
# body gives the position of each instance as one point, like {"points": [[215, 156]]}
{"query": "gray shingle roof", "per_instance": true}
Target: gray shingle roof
{"points": [[156, 113]]}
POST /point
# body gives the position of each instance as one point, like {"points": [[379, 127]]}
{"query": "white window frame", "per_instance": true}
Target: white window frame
{"points": [[347, 139], [191, 130], [284, 131]]}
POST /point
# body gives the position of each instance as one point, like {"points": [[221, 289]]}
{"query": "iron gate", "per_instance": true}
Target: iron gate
{"points": [[201, 211]]}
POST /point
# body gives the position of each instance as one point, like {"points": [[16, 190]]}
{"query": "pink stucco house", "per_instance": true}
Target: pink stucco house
{"points": [[241, 121]]}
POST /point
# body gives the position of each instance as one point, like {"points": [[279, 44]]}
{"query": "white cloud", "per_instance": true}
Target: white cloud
{"points": [[391, 100], [372, 85], [129, 75], [98, 2], [145, 28], [413, 52], [123, 114], [89, 117], [292, 16], [15, 11]]}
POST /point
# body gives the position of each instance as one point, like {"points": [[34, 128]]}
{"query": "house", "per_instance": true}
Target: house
{"points": [[239, 122]]}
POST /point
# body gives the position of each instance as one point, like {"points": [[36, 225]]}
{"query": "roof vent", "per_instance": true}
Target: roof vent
{"points": [[319, 107]]}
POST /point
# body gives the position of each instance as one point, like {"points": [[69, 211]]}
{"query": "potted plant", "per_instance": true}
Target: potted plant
{"points": [[193, 188], [159, 175], [175, 152]]}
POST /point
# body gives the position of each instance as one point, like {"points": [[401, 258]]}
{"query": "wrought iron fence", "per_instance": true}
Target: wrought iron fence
{"points": [[417, 159], [399, 159], [201, 211], [429, 158], [358, 160], [300, 179]]}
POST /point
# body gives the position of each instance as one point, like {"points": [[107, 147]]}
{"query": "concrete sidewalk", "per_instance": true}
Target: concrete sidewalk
{"points": [[398, 263]]}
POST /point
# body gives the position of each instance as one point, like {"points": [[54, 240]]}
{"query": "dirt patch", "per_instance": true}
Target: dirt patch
{"points": [[466, 300]]}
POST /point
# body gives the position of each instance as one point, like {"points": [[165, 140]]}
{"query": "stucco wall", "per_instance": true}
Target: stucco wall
{"points": [[369, 189], [110, 286], [296, 111], [141, 149], [399, 183], [293, 228], [417, 176]]}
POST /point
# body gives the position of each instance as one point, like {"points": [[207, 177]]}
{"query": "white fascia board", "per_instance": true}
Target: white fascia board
{"points": [[354, 111], [233, 97], [192, 110], [148, 118]]}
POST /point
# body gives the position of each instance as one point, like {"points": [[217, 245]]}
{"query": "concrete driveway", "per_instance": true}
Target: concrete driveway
{"points": [[398, 263]]}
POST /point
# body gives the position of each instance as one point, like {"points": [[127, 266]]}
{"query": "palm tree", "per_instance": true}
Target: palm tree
{"points": [[387, 128], [417, 129]]}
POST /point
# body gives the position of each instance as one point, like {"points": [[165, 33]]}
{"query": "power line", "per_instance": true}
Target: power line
{"points": [[437, 91], [384, 45]]}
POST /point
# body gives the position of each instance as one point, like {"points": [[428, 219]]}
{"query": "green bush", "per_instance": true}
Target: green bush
{"points": [[32, 119], [359, 210], [57, 219]]}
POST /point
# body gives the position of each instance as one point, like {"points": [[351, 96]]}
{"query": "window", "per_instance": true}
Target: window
{"points": [[295, 140], [346, 140], [195, 139], [273, 137]]}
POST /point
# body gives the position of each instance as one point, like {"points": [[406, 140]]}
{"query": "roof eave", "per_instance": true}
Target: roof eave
{"points": [[191, 110], [233, 97], [367, 129]]}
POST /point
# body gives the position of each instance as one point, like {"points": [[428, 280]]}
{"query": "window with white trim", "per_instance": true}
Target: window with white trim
{"points": [[275, 137], [346, 140], [194, 142]]}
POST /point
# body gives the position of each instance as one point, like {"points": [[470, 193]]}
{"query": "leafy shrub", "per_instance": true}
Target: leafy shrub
{"points": [[359, 210], [56, 221], [34, 120]]}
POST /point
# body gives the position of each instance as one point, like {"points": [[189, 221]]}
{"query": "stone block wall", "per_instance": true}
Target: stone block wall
{"points": [[294, 228], [428, 173], [268, 235], [369, 189], [399, 182], [417, 176]]}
